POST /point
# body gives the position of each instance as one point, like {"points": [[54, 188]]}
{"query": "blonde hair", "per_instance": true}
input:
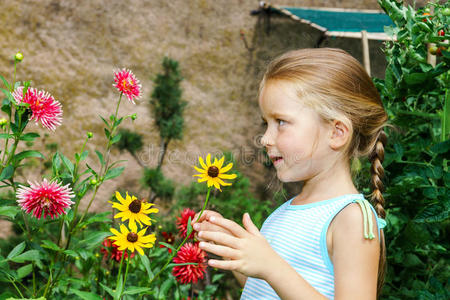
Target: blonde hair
{"points": [[337, 87]]}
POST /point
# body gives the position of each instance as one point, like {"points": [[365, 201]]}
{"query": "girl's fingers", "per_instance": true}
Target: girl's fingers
{"points": [[219, 250], [207, 226], [205, 215], [219, 238], [224, 264], [231, 226]]}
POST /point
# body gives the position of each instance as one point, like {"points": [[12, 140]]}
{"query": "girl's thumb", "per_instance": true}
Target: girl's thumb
{"points": [[248, 224]]}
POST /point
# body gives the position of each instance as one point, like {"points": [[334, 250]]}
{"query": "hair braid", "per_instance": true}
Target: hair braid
{"points": [[377, 170]]}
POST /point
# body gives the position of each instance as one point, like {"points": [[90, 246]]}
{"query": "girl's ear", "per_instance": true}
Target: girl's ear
{"points": [[340, 135]]}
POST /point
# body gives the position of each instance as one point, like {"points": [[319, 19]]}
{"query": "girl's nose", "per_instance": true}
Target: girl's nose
{"points": [[266, 140]]}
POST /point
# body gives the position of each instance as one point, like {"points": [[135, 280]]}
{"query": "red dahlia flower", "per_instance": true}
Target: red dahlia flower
{"points": [[127, 83], [183, 220], [115, 253], [43, 106], [190, 253], [48, 198]]}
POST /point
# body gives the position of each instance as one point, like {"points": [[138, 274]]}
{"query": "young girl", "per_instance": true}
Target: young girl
{"points": [[321, 109]]}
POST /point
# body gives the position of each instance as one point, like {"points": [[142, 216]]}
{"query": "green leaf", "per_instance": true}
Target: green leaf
{"points": [[24, 271], [106, 122], [189, 227], [113, 173], [434, 213], [9, 211], [30, 255], [100, 157], [5, 136], [50, 245], [442, 147], [107, 133], [101, 217], [16, 251], [217, 277], [71, 253], [67, 163], [86, 295], [133, 290], [29, 136], [84, 155], [183, 264], [412, 260], [27, 153], [7, 172], [165, 286], [94, 239], [146, 262], [110, 291], [5, 82], [116, 138], [168, 246]]}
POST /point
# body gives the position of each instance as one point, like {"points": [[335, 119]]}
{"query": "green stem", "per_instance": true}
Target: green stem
{"points": [[445, 120], [34, 281], [48, 281], [14, 78], [126, 272], [182, 243], [120, 269], [17, 289], [417, 114]]}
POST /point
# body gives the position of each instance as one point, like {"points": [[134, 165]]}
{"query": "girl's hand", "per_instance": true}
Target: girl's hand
{"points": [[248, 250], [203, 224]]}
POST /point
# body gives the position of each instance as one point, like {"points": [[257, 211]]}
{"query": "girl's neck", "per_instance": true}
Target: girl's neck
{"points": [[334, 182]]}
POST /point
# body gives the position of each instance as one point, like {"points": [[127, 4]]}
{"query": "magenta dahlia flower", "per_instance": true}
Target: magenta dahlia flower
{"points": [[182, 222], [43, 106], [127, 83], [47, 198], [190, 253]]}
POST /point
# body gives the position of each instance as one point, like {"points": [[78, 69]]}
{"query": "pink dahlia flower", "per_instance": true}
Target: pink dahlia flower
{"points": [[127, 83], [48, 198], [182, 222], [43, 106], [190, 253]]}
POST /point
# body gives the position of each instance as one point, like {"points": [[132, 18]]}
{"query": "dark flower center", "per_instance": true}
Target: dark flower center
{"points": [[213, 171], [135, 206], [132, 237]]}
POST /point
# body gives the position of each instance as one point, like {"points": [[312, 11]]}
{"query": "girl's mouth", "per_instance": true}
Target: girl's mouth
{"points": [[276, 160]]}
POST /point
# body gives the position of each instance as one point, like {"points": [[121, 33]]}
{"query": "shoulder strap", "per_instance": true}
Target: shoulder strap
{"points": [[367, 218]]}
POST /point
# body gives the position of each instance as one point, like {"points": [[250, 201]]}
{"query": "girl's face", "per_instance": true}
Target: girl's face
{"points": [[296, 138]]}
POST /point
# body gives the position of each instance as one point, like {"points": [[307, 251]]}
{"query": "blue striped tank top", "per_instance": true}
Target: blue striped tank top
{"points": [[298, 234]]}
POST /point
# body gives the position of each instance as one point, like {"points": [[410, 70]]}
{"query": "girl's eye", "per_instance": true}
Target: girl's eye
{"points": [[281, 122]]}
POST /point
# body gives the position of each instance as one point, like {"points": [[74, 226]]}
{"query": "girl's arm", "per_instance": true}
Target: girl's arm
{"points": [[355, 259]]}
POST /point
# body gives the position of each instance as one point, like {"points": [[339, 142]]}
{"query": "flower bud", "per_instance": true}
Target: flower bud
{"points": [[89, 134], [3, 122], [18, 57], [133, 117], [93, 182]]}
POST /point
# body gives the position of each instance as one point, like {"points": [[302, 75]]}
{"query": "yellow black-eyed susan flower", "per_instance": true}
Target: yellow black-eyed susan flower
{"points": [[213, 173], [132, 240]]}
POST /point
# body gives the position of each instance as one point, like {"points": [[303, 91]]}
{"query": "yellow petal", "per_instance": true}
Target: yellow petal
{"points": [[139, 249], [114, 231], [227, 176], [132, 225], [124, 230], [216, 185], [131, 247], [203, 179], [145, 219], [208, 160], [200, 170], [228, 167], [119, 197], [202, 163], [220, 181], [210, 183], [119, 206], [221, 162], [215, 163]]}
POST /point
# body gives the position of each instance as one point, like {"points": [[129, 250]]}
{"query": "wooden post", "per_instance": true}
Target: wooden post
{"points": [[365, 48]]}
